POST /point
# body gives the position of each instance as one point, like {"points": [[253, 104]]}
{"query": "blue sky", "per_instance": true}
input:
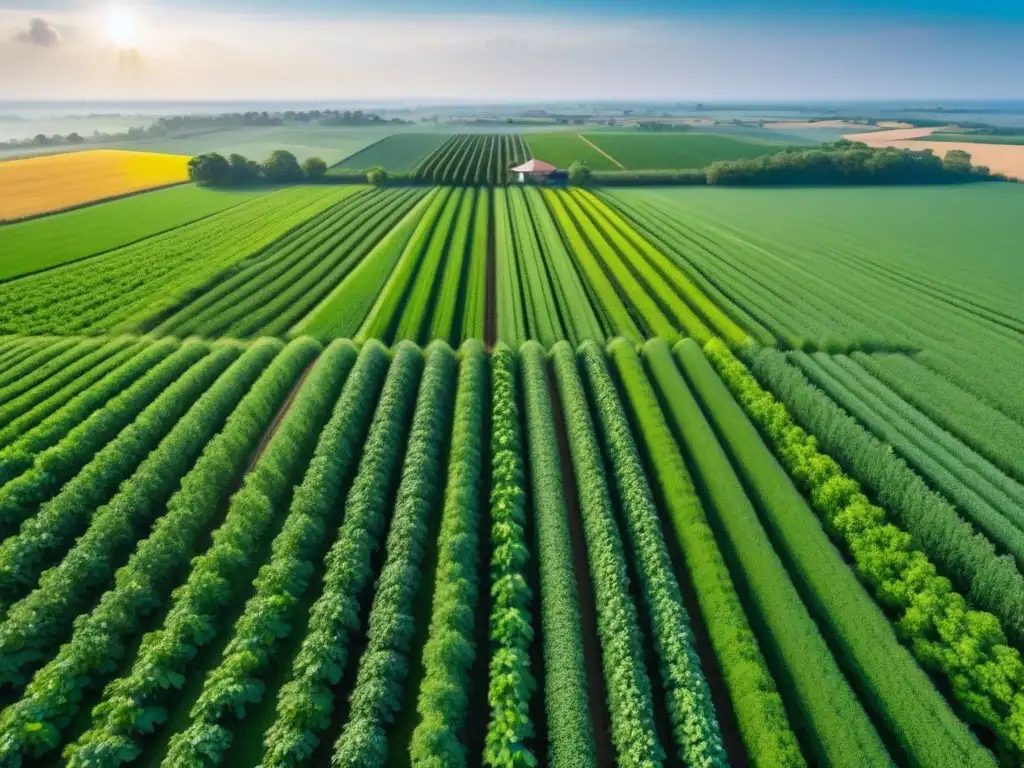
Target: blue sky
{"points": [[517, 50]]}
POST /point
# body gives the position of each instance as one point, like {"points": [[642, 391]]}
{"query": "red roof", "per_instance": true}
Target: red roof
{"points": [[535, 166]]}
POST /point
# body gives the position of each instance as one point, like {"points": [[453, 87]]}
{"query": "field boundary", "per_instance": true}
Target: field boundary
{"points": [[601, 151], [90, 203]]}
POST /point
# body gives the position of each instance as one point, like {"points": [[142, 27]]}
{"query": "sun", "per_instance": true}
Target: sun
{"points": [[122, 27]]}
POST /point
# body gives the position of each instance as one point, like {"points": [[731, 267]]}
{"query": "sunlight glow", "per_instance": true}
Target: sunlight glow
{"points": [[122, 28]]}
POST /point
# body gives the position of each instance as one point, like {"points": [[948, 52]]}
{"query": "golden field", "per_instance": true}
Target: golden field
{"points": [[42, 184]]}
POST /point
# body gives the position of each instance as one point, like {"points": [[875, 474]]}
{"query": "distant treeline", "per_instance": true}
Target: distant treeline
{"points": [[838, 163], [182, 125], [282, 167]]}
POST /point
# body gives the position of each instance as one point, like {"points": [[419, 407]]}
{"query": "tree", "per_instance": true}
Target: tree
{"points": [[210, 168], [579, 173], [243, 170], [282, 167], [957, 161], [74, 138], [377, 176], [314, 168]]}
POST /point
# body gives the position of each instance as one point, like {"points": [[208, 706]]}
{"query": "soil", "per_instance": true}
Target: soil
{"points": [[600, 720], [276, 423]]}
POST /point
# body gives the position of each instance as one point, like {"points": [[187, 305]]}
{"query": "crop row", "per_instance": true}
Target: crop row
{"points": [[123, 289], [473, 159], [279, 558]]}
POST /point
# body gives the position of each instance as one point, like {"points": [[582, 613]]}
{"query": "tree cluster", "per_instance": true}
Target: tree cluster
{"points": [[282, 167]]}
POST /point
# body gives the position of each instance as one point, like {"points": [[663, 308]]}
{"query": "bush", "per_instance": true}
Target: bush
{"points": [[377, 176]]}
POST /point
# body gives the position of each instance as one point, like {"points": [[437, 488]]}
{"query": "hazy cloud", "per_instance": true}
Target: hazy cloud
{"points": [[40, 32]]}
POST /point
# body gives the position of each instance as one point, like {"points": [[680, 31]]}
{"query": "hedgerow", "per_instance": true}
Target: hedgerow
{"points": [[630, 701], [759, 709], [512, 684], [990, 581], [269, 616], [20, 496], [132, 705], [384, 664], [24, 556], [690, 708], [450, 650], [305, 703], [32, 726], [967, 647], [44, 425], [40, 355], [78, 374], [902, 698], [570, 731], [36, 624]]}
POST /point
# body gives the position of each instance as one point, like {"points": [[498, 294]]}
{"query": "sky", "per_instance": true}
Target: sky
{"points": [[511, 50]]}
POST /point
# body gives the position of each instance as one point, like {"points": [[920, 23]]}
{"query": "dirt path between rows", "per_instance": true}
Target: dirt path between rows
{"points": [[491, 294], [599, 718], [276, 423], [601, 151]]}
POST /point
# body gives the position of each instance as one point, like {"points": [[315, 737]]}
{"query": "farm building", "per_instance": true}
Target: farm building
{"points": [[534, 170]]}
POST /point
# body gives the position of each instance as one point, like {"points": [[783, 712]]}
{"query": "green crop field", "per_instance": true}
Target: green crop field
{"points": [[487, 474], [641, 151], [32, 246], [399, 154], [563, 149]]}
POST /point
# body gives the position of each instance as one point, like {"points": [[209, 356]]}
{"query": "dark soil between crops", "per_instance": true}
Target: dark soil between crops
{"points": [[491, 305]]}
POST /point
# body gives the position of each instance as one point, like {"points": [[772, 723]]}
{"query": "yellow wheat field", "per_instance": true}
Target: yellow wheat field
{"points": [[54, 182]]}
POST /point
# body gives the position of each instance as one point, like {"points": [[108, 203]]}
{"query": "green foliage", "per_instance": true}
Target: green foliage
{"points": [[45, 361], [305, 702], [33, 725], [314, 168], [272, 290], [377, 176], [270, 614], [512, 683], [21, 496], [45, 536], [965, 555], [398, 153], [580, 173], [967, 647], [630, 701], [541, 308], [690, 709], [131, 287], [759, 708], [474, 309], [451, 283], [384, 664], [511, 310], [562, 149], [570, 734], [41, 426], [469, 158], [449, 652]]}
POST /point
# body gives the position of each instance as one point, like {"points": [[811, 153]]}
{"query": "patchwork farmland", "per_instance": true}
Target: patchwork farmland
{"points": [[463, 472]]}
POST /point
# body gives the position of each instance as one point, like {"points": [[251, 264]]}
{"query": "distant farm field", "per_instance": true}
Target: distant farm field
{"points": [[38, 244], [652, 151], [44, 184], [975, 138], [563, 149], [397, 154]]}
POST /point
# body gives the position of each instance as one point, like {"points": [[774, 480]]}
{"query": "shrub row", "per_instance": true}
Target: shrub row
{"points": [[378, 693], [990, 581], [450, 650], [305, 702], [901, 697], [32, 726], [35, 431], [570, 730], [20, 497], [75, 376], [66, 515], [690, 708], [760, 714], [133, 704], [630, 700], [967, 647], [511, 623], [269, 616], [37, 623], [41, 355]]}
